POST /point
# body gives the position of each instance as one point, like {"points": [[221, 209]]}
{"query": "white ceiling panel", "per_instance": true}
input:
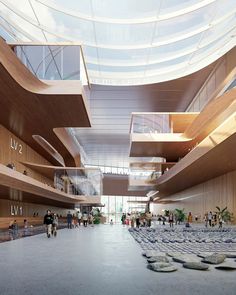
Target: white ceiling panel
{"points": [[131, 42]]}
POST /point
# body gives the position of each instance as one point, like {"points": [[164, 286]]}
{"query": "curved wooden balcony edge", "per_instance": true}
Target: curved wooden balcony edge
{"points": [[30, 106], [214, 156], [16, 180]]}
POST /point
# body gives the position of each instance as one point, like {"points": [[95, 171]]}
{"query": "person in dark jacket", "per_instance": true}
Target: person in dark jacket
{"points": [[69, 220], [15, 230], [48, 220]]}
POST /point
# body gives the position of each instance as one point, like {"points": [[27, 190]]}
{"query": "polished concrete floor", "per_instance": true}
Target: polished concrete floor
{"points": [[104, 260]]}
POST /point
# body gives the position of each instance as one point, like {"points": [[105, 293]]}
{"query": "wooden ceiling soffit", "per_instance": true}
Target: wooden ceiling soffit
{"points": [[171, 146], [17, 181], [117, 185], [29, 106], [174, 146], [91, 200], [214, 156], [159, 167]]}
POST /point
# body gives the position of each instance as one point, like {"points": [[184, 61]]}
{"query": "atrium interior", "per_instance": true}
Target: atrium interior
{"points": [[117, 147]]}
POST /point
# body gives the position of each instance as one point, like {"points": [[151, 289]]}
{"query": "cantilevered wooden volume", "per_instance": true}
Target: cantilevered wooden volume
{"points": [[29, 106]]}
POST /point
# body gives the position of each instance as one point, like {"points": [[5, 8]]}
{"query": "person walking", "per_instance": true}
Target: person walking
{"points": [[91, 220], [15, 230], [171, 219], [206, 219], [210, 218], [25, 230], [123, 218], [69, 218], [48, 220], [79, 217], [85, 219], [220, 220], [75, 221], [163, 220], [54, 224], [149, 218], [132, 220], [137, 220], [10, 230], [190, 218]]}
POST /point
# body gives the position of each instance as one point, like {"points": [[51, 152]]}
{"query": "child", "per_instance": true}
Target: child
{"points": [[111, 222]]}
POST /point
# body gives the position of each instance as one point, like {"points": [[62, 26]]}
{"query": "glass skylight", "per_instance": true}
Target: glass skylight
{"points": [[128, 42]]}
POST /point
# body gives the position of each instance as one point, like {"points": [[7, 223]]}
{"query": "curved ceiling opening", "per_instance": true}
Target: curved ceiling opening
{"points": [[129, 42]]}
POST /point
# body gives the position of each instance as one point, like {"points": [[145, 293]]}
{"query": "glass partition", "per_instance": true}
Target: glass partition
{"points": [[144, 177], [156, 123], [54, 62], [150, 123], [116, 205], [79, 181]]}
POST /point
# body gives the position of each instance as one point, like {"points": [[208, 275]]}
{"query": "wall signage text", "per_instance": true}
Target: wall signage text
{"points": [[16, 146]]}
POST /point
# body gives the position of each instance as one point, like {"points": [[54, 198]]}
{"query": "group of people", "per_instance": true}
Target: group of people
{"points": [[14, 229], [75, 220], [51, 223], [212, 219], [137, 219]]}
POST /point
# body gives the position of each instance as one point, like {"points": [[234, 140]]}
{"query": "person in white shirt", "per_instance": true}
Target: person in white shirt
{"points": [[91, 219], [79, 217], [210, 218], [85, 219]]}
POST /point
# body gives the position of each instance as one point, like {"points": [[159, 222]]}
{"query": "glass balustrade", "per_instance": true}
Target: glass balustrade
{"points": [[151, 123], [54, 62], [79, 181], [161, 123]]}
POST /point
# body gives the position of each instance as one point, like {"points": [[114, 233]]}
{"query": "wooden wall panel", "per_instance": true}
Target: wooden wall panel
{"points": [[14, 150], [222, 74], [28, 209], [220, 191], [118, 185]]}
